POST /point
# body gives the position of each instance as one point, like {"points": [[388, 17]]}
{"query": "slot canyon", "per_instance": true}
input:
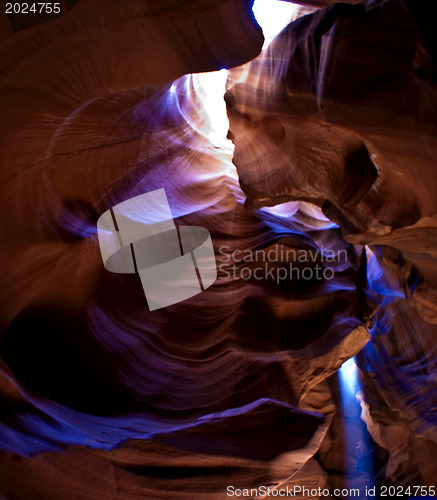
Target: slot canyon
{"points": [[303, 137]]}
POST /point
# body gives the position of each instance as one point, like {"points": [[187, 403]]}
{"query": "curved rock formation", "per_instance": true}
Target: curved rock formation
{"points": [[102, 398], [339, 111]]}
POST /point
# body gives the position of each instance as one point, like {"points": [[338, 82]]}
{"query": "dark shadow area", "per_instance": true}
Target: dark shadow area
{"points": [[52, 352]]}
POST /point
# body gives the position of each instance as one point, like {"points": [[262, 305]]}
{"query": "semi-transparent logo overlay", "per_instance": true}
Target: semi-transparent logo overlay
{"points": [[139, 236]]}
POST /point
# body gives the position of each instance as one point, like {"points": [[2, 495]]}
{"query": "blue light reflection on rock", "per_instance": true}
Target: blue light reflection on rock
{"points": [[358, 461]]}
